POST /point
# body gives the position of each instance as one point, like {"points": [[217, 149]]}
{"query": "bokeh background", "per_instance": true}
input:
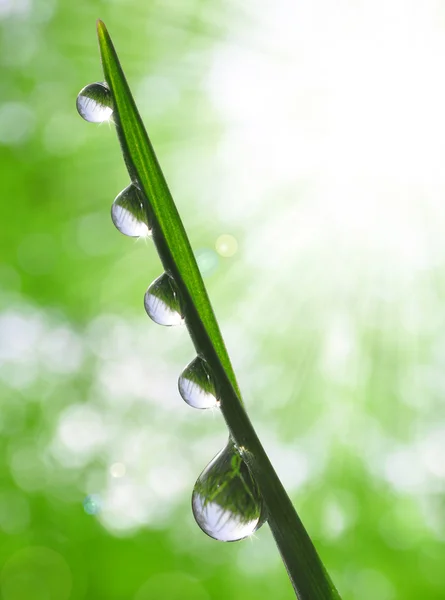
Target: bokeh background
{"points": [[304, 143]]}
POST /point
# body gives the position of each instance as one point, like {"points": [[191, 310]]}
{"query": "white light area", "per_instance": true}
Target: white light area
{"points": [[61, 350], [33, 343], [367, 439], [81, 433], [126, 506], [134, 354], [40, 11], [344, 113], [405, 471], [361, 80], [8, 8], [157, 94], [264, 381], [432, 452], [421, 386], [258, 556], [293, 464], [19, 334], [170, 481], [132, 379], [340, 353], [117, 470], [417, 468], [18, 378], [108, 336], [238, 345]]}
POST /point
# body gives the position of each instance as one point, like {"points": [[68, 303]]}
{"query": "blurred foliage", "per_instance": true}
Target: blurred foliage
{"points": [[331, 299]]}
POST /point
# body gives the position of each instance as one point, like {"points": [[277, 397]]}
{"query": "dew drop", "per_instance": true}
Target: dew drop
{"points": [[196, 385], [128, 213], [226, 501], [95, 103], [162, 302]]}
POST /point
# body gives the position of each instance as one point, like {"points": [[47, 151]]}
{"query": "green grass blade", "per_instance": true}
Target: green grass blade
{"points": [[307, 573], [168, 232]]}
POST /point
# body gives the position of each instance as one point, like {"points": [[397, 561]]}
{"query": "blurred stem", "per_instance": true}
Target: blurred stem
{"points": [[306, 571]]}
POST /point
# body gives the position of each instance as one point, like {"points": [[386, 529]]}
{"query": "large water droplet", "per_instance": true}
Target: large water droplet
{"points": [[128, 213], [226, 501], [196, 385], [162, 301], [95, 103]]}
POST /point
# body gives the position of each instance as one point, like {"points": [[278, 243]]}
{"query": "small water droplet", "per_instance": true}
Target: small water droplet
{"points": [[95, 103], [196, 385], [162, 302], [92, 504], [226, 501], [128, 213]]}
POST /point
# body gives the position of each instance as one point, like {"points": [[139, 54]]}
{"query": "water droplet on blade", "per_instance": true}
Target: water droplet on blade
{"points": [[162, 302], [196, 385], [95, 103], [128, 213], [226, 501]]}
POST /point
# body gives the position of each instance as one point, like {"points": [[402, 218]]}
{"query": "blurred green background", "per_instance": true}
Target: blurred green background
{"points": [[304, 144]]}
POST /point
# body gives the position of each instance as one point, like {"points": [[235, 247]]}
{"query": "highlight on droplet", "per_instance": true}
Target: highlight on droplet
{"points": [[95, 103]]}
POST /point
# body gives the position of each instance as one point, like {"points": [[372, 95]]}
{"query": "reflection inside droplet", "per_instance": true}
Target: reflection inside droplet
{"points": [[162, 302], [226, 501], [128, 213], [196, 385], [95, 103]]}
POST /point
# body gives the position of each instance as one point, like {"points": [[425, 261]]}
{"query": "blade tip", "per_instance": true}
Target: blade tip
{"points": [[100, 26]]}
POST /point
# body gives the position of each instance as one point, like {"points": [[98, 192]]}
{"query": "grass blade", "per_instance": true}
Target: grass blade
{"points": [[306, 571]]}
